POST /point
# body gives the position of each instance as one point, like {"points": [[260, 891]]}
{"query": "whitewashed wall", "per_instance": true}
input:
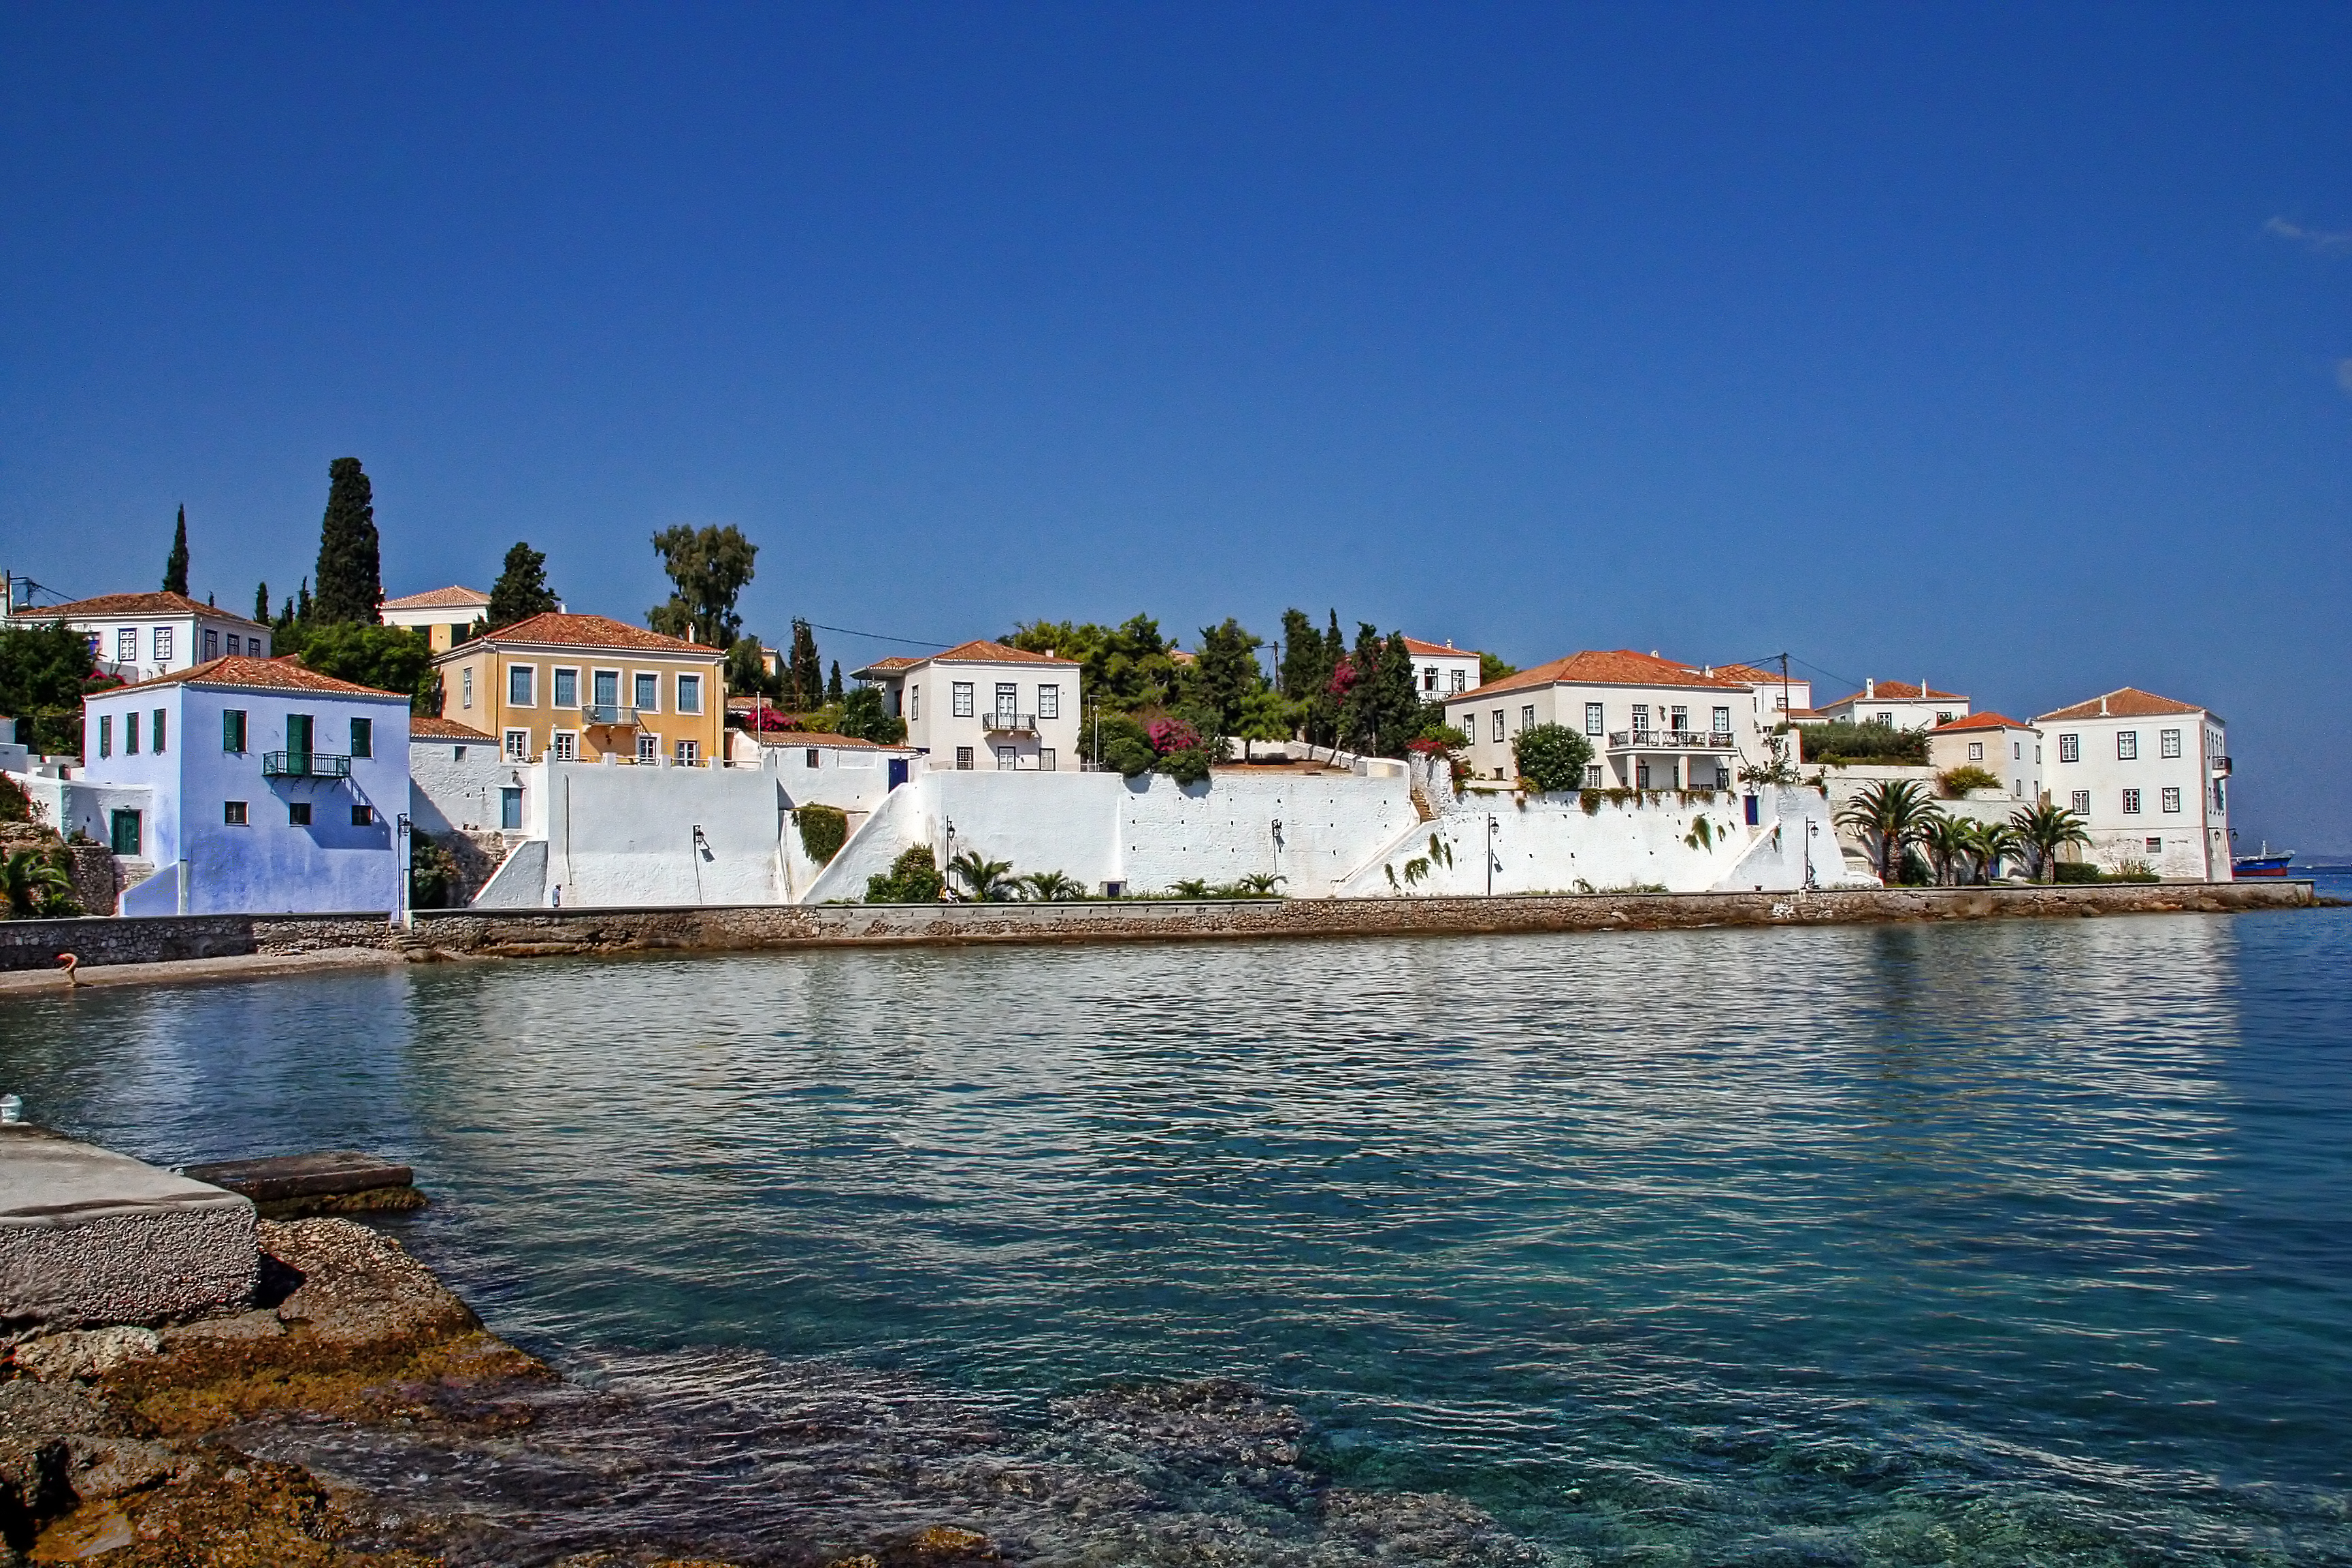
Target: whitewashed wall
{"points": [[447, 793], [624, 835]]}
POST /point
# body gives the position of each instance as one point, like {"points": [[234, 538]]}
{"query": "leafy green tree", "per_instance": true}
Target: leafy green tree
{"points": [[709, 568], [1493, 668], [1126, 746], [388, 658], [863, 718], [1863, 743], [806, 680], [984, 881], [38, 883], [1225, 675], [1121, 668], [45, 672], [1304, 671], [351, 575], [747, 672], [261, 603], [1356, 683], [175, 565], [913, 878], [1551, 757], [1403, 714], [2044, 829], [1891, 815], [1267, 715], [833, 686], [521, 590]]}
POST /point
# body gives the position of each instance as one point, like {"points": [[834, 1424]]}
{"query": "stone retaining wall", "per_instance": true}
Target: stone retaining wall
{"points": [[36, 945]]}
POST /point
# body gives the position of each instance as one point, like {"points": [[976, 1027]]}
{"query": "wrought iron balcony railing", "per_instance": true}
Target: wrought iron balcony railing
{"points": [[1669, 741], [608, 715], [304, 765], [1009, 723]]}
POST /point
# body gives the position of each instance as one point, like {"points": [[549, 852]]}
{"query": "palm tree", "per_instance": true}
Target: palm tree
{"points": [[1260, 884], [1051, 888], [1192, 888], [2046, 829], [1988, 843], [1949, 841], [35, 885], [1891, 814], [985, 881]]}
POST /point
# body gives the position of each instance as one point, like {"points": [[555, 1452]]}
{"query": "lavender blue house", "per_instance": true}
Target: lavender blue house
{"points": [[270, 788]]}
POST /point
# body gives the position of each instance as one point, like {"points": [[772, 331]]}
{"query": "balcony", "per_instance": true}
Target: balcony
{"points": [[1669, 741], [1009, 723], [304, 765], [604, 716], [2220, 766]]}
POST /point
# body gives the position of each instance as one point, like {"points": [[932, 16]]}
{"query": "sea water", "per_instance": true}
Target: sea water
{"points": [[2007, 1242]]}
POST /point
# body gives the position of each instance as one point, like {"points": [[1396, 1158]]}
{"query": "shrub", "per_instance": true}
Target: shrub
{"points": [[16, 806], [1863, 743], [824, 830], [1171, 735], [2074, 871], [913, 878], [1956, 782], [1126, 747], [862, 719], [1551, 756], [1188, 765]]}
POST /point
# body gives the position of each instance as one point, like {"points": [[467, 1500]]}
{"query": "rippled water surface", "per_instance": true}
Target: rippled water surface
{"points": [[2008, 1242]]}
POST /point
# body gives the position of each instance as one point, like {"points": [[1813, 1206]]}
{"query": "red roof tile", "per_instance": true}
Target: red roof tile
{"points": [[453, 598], [287, 674], [559, 630], [1980, 721], [1414, 645], [1622, 667], [2130, 702], [130, 605], [429, 728], [980, 650], [823, 738], [1898, 691]]}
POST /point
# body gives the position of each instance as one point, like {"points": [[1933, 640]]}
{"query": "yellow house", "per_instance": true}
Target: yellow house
{"points": [[443, 614], [582, 687]]}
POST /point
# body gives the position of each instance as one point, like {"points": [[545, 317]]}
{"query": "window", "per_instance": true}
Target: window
{"points": [[519, 683], [466, 686], [236, 645], [2016, 788], [1527, 717], [2017, 750], [687, 754], [2037, 752], [648, 748], [158, 717], [2167, 743], [1460, 680], [233, 729], [1680, 722], [2126, 745], [1045, 759], [2214, 747], [1723, 721], [1592, 776], [457, 754], [648, 689], [212, 642], [258, 646], [2131, 803], [162, 644], [1049, 701], [809, 758], [1593, 722], [123, 827], [607, 685], [509, 808], [2218, 797], [298, 814], [233, 812], [567, 688], [1722, 776], [2172, 799], [130, 733], [1885, 719], [2081, 803], [364, 737], [106, 735], [1641, 775], [564, 745], [1007, 760], [915, 702], [689, 694], [126, 646], [362, 817], [1429, 678], [2070, 748], [1008, 700], [1499, 724], [1942, 718], [1641, 715], [518, 745], [1976, 751], [963, 759], [2155, 846], [960, 700]]}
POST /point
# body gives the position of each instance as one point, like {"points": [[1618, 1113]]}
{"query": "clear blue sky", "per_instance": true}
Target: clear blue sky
{"points": [[2009, 347]]}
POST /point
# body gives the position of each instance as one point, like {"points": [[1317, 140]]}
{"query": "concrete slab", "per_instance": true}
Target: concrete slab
{"points": [[90, 1237]]}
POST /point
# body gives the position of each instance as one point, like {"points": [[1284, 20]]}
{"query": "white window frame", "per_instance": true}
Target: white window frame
{"points": [[1461, 682], [1526, 717], [563, 746], [1498, 726], [1045, 759], [126, 646], [2127, 745], [963, 759], [689, 693], [516, 746], [466, 686], [1049, 699], [1722, 722], [2080, 804], [915, 704], [686, 754], [2167, 743], [1596, 718], [555, 686], [161, 641], [596, 675], [2131, 802], [1976, 751], [1592, 775], [960, 700], [1008, 759], [648, 748], [529, 673], [2070, 748], [638, 687], [2171, 798]]}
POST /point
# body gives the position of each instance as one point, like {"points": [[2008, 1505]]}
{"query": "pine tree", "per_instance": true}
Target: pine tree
{"points": [[832, 687], [521, 590], [1225, 674], [176, 566], [709, 567], [261, 603], [807, 676], [351, 577]]}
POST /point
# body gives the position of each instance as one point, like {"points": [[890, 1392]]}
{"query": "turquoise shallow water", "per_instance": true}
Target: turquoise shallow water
{"points": [[2007, 1243]]}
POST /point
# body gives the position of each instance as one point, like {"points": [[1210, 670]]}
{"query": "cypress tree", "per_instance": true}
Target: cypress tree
{"points": [[521, 590], [176, 566], [832, 687], [351, 577], [261, 603], [807, 676]]}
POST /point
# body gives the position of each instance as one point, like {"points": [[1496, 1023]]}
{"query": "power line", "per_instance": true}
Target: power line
{"points": [[875, 637]]}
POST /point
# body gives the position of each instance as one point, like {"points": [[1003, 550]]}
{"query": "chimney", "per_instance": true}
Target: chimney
{"points": [[1869, 688], [2102, 707]]}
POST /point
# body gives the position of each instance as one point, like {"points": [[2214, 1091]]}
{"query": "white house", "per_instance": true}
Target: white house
{"points": [[2004, 747], [273, 788], [443, 614], [1898, 705], [981, 704], [1777, 697], [1441, 670], [2149, 778], [141, 636], [819, 769], [1654, 723]]}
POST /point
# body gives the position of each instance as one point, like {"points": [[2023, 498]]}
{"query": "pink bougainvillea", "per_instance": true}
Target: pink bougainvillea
{"points": [[1428, 748], [1172, 736], [1343, 676]]}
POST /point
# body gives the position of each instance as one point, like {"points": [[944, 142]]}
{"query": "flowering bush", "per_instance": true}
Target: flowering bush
{"points": [[1428, 747], [768, 720], [1343, 676], [1173, 735]]}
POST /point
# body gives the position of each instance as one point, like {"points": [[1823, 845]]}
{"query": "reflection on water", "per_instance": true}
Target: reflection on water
{"points": [[2004, 1243]]}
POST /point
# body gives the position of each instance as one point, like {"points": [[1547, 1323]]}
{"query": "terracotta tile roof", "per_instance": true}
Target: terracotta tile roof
{"points": [[1755, 676], [1414, 645], [453, 598], [1980, 721], [132, 605], [824, 738], [558, 629], [1622, 667], [287, 674], [896, 661], [428, 728], [980, 650], [1899, 692], [2129, 703]]}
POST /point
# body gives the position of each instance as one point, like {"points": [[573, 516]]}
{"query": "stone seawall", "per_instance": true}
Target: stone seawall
{"points": [[528, 934]]}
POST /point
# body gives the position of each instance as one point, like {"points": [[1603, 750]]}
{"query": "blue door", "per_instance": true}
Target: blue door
{"points": [[898, 771]]}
